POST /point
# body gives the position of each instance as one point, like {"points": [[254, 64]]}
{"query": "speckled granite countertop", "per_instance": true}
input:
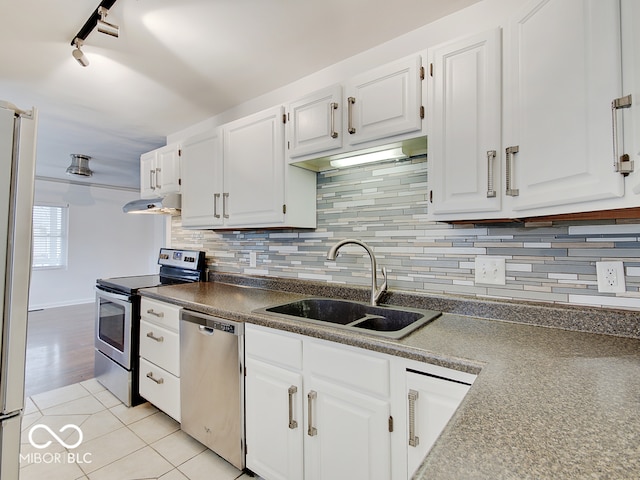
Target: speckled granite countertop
{"points": [[547, 403]]}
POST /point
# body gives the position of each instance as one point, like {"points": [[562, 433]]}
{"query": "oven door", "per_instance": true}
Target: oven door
{"points": [[114, 326]]}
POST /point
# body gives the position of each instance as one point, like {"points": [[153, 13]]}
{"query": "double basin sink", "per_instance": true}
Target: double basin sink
{"points": [[390, 322]]}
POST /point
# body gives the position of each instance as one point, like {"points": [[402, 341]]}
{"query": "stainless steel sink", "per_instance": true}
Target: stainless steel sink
{"points": [[392, 322]]}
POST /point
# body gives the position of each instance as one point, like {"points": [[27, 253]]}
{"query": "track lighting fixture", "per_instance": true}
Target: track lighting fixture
{"points": [[106, 27], [78, 54], [97, 19]]}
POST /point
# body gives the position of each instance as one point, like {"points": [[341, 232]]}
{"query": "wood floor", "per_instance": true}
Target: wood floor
{"points": [[59, 347]]}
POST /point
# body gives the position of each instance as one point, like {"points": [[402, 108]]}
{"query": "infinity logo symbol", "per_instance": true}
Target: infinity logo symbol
{"points": [[53, 434]]}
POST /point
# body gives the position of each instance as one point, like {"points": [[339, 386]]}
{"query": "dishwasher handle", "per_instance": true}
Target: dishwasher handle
{"points": [[208, 323]]}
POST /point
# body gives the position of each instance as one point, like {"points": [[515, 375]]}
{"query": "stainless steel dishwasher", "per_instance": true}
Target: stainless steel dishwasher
{"points": [[212, 383]]}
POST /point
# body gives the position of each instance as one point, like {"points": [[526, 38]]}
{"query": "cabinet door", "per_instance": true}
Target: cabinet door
{"points": [[431, 401], [346, 434], [630, 13], [464, 125], [384, 102], [254, 169], [168, 170], [201, 167], [147, 175], [274, 424], [563, 72], [315, 122]]}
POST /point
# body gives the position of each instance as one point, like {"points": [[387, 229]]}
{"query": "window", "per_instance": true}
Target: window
{"points": [[49, 236]]}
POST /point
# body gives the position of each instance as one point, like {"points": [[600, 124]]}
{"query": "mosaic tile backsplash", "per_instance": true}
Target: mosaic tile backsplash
{"points": [[385, 205]]}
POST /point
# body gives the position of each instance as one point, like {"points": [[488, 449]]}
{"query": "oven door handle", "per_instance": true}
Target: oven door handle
{"points": [[113, 296]]}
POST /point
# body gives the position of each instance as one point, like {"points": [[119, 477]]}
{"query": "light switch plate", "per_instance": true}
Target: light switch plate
{"points": [[490, 271], [252, 259], [610, 277]]}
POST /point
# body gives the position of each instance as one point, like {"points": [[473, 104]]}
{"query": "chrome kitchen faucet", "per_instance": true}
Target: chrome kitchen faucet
{"points": [[375, 292]]}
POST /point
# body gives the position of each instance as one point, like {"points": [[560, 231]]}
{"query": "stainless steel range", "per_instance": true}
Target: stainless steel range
{"points": [[118, 319]]}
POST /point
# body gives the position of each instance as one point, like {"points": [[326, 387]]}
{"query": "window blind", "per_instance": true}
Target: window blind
{"points": [[49, 236]]}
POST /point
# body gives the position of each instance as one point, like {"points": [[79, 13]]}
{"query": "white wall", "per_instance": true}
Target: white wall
{"points": [[103, 242]]}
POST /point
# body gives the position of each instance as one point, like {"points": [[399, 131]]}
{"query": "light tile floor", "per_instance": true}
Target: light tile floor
{"points": [[116, 443]]}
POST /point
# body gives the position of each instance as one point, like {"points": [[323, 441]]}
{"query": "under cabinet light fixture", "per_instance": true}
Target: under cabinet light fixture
{"points": [[97, 19], [391, 154]]}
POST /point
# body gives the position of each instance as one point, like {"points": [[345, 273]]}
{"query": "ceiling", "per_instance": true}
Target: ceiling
{"points": [[174, 64]]}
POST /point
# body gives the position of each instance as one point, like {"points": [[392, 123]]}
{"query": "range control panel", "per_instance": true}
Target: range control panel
{"points": [[190, 259]]}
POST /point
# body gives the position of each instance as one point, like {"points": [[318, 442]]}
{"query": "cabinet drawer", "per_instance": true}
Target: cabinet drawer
{"points": [[161, 313], [277, 348], [354, 368], [160, 346], [160, 388]]}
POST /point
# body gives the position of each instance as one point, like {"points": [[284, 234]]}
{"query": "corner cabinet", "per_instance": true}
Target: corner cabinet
{"points": [[325, 411], [377, 107], [160, 172], [159, 376], [235, 176], [562, 70]]}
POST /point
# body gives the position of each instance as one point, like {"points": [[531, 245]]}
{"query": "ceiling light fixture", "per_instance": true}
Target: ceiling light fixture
{"points": [[382, 155], [79, 165], [106, 27], [97, 18], [79, 54]]}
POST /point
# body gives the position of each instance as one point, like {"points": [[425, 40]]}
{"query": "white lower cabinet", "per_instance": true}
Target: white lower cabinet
{"points": [[319, 410], [159, 375], [431, 402]]}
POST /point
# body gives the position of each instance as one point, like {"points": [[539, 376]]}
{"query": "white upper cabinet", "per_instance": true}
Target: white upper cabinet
{"points": [[464, 99], [630, 14], [160, 172], [254, 169], [384, 102], [202, 180], [315, 122], [563, 69], [378, 107]]}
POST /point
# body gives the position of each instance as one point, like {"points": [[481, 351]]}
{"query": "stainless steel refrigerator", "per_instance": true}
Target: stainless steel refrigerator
{"points": [[17, 171]]}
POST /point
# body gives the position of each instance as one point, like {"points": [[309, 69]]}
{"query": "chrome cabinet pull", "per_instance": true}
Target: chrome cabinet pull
{"points": [[311, 396], [491, 155], [159, 381], [155, 314], [511, 151], [153, 337], [216, 196], [292, 423], [414, 440], [351, 101], [158, 185], [152, 182], [622, 163], [333, 106], [225, 200]]}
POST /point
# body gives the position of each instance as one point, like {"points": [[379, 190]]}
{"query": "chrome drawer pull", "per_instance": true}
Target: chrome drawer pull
{"points": [[333, 106], [155, 314], [351, 100], [510, 152], [153, 337], [622, 163], [491, 155], [414, 440], [216, 196], [292, 423], [312, 431], [159, 381]]}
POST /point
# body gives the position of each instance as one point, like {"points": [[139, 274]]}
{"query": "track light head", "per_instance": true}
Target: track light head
{"points": [[106, 27], [78, 54]]}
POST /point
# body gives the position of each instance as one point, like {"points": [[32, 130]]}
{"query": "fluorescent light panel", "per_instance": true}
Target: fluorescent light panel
{"points": [[382, 155]]}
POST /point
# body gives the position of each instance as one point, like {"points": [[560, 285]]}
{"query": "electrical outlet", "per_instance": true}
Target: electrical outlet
{"points": [[252, 259], [490, 271], [610, 277]]}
